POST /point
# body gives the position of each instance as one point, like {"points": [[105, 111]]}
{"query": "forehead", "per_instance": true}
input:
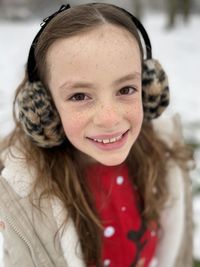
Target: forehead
{"points": [[107, 48]]}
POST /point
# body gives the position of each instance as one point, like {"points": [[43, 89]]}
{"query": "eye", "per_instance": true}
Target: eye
{"points": [[78, 97], [128, 90]]}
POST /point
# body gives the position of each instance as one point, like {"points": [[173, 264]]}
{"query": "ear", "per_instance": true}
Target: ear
{"points": [[38, 116], [155, 89]]}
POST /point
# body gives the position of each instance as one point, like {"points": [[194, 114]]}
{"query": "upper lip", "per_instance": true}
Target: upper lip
{"points": [[107, 136]]}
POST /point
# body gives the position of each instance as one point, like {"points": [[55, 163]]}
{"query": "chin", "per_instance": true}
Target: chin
{"points": [[106, 159], [111, 161]]}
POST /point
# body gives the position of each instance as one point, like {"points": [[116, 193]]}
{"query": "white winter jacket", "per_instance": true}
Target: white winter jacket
{"points": [[28, 234]]}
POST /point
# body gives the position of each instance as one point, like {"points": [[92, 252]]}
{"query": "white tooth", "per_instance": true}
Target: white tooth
{"points": [[105, 141], [98, 140], [119, 137], [113, 140]]}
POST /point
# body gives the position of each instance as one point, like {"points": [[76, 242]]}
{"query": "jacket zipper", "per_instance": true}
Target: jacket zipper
{"points": [[17, 231], [12, 224], [20, 234]]}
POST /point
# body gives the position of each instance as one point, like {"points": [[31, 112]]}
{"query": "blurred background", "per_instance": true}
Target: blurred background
{"points": [[173, 27]]}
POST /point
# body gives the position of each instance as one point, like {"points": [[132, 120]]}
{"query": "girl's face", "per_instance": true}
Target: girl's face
{"points": [[95, 81]]}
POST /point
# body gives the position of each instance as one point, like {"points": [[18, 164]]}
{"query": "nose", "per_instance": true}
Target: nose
{"points": [[107, 115]]}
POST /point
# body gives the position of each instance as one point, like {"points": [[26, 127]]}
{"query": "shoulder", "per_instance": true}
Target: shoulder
{"points": [[16, 182], [176, 241], [175, 247], [14, 185], [16, 172], [26, 224]]}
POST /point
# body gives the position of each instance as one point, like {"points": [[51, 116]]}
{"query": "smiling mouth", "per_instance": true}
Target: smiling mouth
{"points": [[109, 141]]}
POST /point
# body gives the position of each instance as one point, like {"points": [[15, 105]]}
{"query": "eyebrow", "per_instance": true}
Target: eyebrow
{"points": [[78, 84]]}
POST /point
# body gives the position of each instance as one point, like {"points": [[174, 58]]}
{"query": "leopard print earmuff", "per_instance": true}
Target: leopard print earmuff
{"points": [[38, 115]]}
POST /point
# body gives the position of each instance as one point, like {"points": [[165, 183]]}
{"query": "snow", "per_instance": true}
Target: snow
{"points": [[177, 50], [15, 41]]}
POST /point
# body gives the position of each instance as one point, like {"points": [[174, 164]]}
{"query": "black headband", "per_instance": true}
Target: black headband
{"points": [[31, 64]]}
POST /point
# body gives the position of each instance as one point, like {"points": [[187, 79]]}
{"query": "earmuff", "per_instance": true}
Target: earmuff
{"points": [[38, 115]]}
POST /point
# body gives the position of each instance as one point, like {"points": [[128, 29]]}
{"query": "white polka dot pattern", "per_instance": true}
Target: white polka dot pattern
{"points": [[120, 180], [123, 208], [106, 262], [153, 233], [109, 231], [153, 263]]}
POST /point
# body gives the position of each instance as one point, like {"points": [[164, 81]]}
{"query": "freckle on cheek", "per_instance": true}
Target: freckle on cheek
{"points": [[74, 123], [79, 117]]}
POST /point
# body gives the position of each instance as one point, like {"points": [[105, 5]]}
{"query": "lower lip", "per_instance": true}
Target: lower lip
{"points": [[111, 146]]}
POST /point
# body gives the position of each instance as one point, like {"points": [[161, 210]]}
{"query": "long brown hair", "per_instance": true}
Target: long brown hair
{"points": [[60, 172]]}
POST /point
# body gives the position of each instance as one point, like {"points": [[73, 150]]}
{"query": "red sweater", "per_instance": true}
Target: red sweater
{"points": [[127, 241]]}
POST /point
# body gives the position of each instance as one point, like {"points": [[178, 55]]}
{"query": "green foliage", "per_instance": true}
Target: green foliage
{"points": [[176, 7], [196, 263], [194, 145]]}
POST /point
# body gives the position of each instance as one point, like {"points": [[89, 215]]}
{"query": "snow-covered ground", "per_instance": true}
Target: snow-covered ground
{"points": [[177, 49]]}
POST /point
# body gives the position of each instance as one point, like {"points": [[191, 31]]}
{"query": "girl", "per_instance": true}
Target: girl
{"points": [[88, 179]]}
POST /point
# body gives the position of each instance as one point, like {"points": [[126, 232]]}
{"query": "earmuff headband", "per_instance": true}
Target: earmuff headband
{"points": [[143, 32], [31, 64]]}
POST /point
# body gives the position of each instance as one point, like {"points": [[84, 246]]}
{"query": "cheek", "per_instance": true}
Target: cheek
{"points": [[73, 124], [139, 113], [135, 114]]}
